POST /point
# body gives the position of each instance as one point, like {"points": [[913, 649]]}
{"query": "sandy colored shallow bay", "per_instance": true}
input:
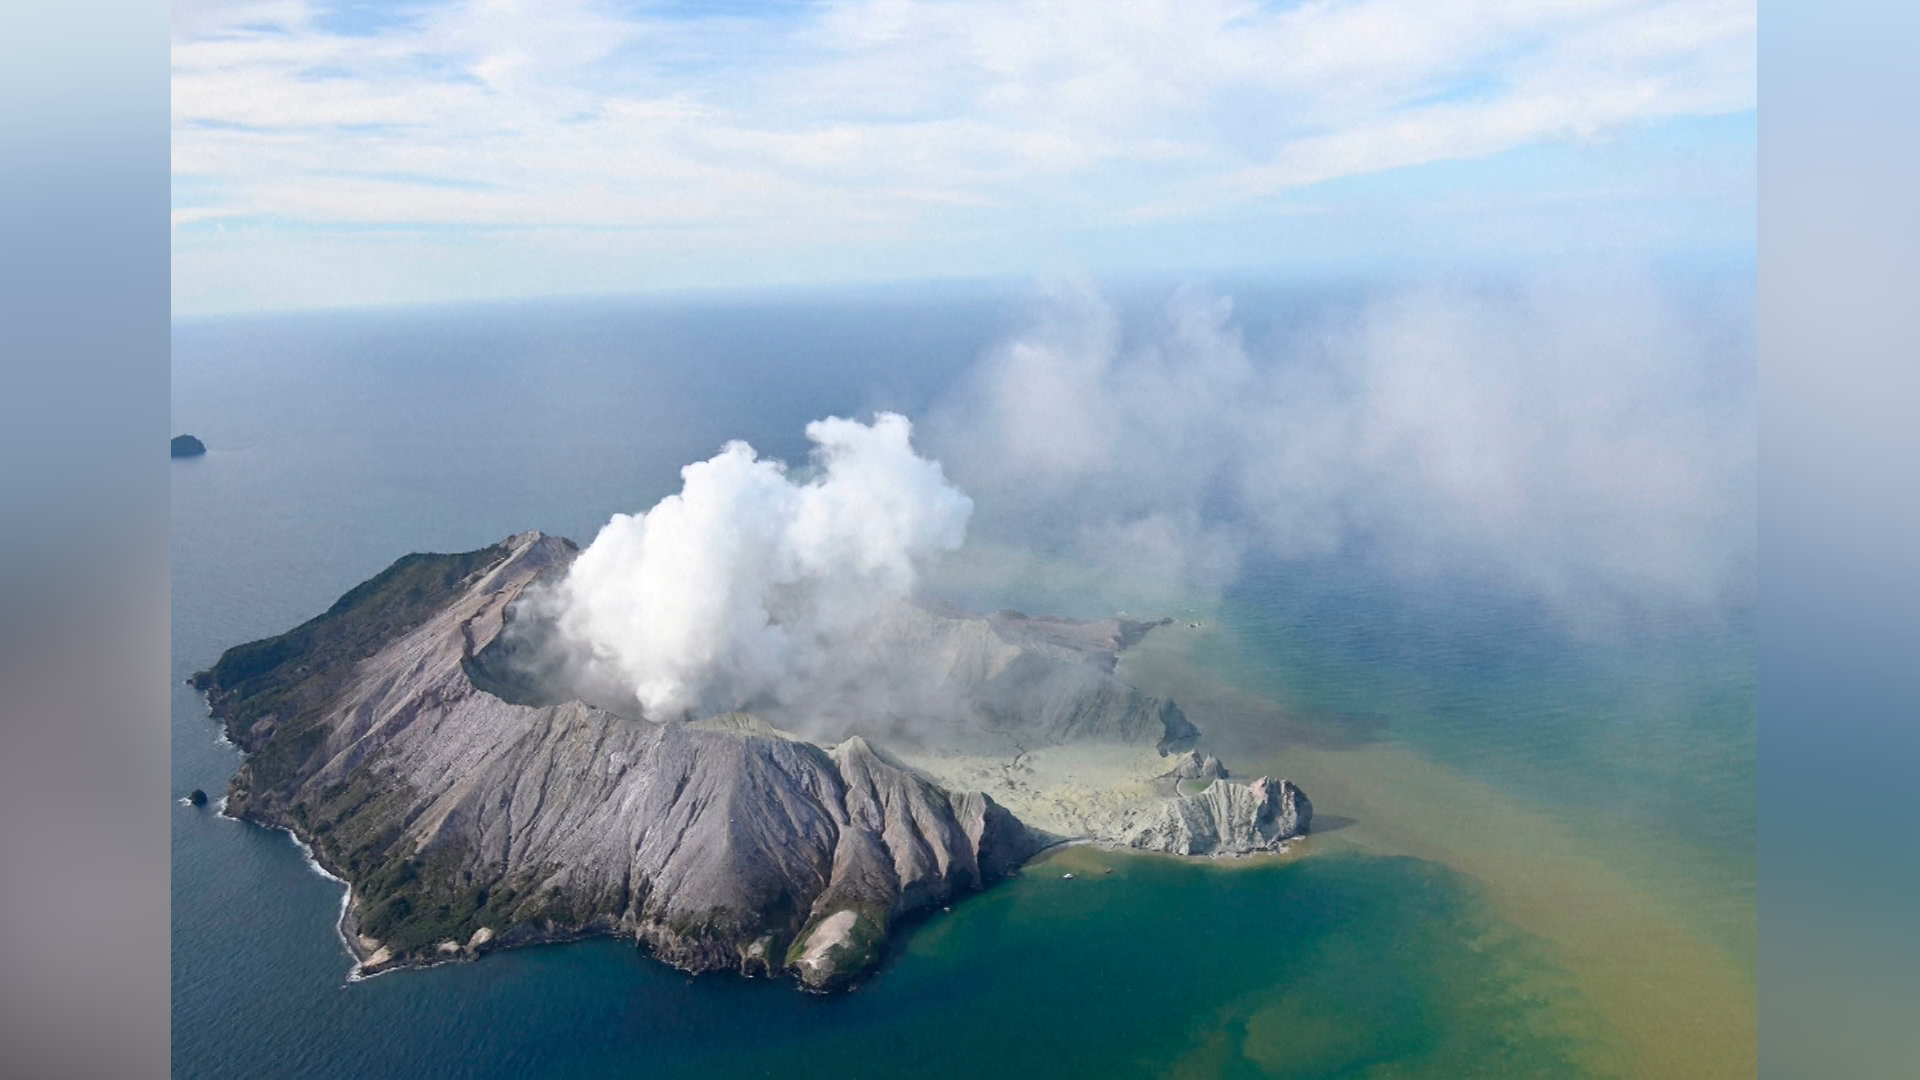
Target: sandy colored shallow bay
{"points": [[1672, 1003]]}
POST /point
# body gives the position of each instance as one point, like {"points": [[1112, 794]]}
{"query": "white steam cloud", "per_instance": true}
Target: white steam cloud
{"points": [[1590, 442], [739, 587]]}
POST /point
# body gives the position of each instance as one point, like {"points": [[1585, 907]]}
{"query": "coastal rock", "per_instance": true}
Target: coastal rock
{"points": [[1228, 819], [188, 446]]}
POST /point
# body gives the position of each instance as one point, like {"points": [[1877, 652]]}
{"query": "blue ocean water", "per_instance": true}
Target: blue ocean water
{"points": [[339, 442]]}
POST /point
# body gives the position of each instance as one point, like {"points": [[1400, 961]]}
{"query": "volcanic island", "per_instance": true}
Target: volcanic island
{"points": [[468, 804]]}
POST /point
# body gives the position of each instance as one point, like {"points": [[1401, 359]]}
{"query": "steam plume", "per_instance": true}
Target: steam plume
{"points": [[1590, 442], [739, 586]]}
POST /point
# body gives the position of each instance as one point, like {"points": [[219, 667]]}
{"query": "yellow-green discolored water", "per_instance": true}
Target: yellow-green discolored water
{"points": [[1639, 924]]}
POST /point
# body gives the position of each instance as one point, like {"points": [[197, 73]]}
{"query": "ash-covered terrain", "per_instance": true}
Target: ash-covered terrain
{"points": [[407, 737]]}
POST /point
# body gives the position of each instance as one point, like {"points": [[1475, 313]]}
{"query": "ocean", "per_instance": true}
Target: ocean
{"points": [[1534, 852]]}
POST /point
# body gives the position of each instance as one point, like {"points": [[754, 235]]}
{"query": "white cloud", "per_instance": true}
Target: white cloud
{"points": [[891, 114]]}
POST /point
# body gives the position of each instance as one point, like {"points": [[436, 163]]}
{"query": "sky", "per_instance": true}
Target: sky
{"points": [[355, 153]]}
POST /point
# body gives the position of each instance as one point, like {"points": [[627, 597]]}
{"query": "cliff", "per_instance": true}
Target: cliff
{"points": [[1228, 819]]}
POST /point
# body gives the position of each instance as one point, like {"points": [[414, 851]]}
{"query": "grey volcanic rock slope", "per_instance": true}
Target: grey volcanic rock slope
{"points": [[1228, 819], [463, 821], [933, 675]]}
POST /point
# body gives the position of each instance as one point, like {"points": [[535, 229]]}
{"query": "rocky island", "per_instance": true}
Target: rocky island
{"points": [[187, 446], [471, 805]]}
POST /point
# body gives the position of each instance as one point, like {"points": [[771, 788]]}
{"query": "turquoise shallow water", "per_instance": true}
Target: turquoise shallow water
{"points": [[1642, 741], [339, 443]]}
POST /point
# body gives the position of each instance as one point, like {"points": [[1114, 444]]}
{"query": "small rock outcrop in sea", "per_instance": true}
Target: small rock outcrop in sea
{"points": [[1228, 819], [197, 797], [470, 806], [188, 446]]}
